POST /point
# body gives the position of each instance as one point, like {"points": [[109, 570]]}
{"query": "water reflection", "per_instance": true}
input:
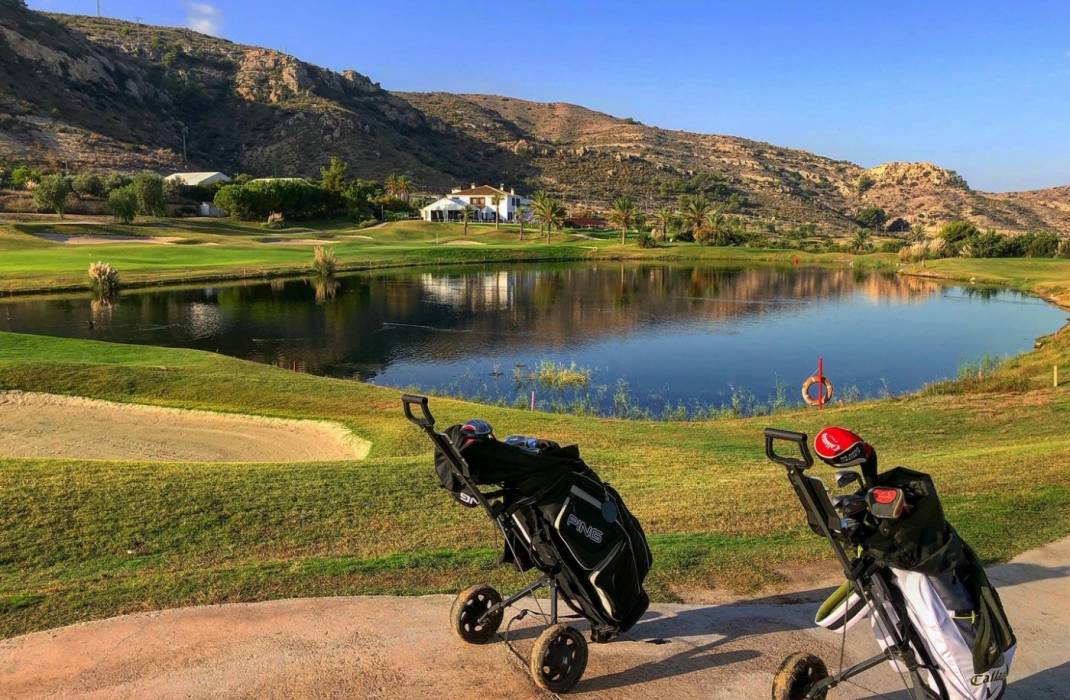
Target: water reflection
{"points": [[673, 332]]}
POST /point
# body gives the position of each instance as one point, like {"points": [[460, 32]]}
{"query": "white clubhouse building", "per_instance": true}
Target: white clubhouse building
{"points": [[489, 203]]}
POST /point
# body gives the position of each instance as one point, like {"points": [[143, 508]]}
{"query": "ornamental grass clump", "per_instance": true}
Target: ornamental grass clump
{"points": [[324, 263], [104, 280]]}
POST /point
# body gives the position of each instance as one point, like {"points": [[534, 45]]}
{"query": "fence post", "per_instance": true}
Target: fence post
{"points": [[1055, 376]]}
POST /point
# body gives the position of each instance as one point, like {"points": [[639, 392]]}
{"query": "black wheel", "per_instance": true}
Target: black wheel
{"points": [[559, 658], [797, 675], [468, 607]]}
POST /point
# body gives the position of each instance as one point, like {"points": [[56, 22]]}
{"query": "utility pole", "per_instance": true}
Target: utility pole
{"points": [[98, 8]]}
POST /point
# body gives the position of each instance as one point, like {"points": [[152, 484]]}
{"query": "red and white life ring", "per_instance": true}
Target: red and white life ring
{"points": [[825, 386]]}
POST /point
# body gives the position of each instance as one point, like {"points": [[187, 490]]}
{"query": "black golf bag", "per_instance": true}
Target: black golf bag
{"points": [[564, 521], [935, 615], [556, 516]]}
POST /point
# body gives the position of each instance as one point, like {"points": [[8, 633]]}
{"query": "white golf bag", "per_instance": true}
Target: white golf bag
{"points": [[944, 617]]}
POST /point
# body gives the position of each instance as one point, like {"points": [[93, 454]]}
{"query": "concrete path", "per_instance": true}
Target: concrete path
{"points": [[388, 647]]}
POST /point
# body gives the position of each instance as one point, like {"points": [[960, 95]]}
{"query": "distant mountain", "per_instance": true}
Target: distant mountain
{"points": [[105, 94]]}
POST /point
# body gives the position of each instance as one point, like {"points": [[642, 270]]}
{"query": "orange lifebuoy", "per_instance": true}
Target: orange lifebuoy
{"points": [[826, 385]]}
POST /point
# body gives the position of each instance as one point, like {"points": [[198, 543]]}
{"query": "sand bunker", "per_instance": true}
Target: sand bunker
{"points": [[296, 241], [49, 425], [464, 243], [67, 239]]}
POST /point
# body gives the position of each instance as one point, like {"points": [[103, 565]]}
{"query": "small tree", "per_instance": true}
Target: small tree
{"points": [[695, 210], [466, 215], [872, 218], [865, 182], [860, 242], [663, 219], [622, 215], [23, 176], [114, 181], [52, 193], [521, 212], [88, 184], [148, 187], [122, 203], [496, 200], [333, 177]]}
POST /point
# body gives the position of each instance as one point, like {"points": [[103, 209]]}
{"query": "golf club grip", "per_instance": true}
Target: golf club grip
{"points": [[425, 420]]}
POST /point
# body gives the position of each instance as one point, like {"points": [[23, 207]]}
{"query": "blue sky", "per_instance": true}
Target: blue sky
{"points": [[980, 87]]}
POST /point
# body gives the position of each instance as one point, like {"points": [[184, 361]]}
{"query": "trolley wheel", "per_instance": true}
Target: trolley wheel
{"points": [[468, 607], [797, 675], [559, 658]]}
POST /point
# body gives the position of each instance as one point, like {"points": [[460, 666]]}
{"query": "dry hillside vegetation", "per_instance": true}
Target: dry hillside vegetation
{"points": [[97, 93]]}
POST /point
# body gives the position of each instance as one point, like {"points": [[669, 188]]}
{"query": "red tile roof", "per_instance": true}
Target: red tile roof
{"points": [[481, 190]]}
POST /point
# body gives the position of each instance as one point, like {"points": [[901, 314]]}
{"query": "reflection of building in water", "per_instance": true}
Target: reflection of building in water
{"points": [[482, 292]]}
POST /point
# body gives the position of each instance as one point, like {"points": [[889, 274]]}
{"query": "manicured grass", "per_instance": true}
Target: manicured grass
{"points": [[86, 539], [215, 250]]}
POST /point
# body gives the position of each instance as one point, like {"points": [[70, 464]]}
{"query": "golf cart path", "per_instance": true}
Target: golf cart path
{"points": [[395, 647]]}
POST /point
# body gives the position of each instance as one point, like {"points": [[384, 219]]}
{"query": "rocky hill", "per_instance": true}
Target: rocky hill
{"points": [[105, 94]]}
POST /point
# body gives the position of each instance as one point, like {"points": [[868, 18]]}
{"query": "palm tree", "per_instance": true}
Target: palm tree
{"points": [[663, 219], [403, 186], [466, 214], [694, 211], [860, 242], [715, 226], [521, 212], [542, 206], [496, 200], [391, 185], [622, 215]]}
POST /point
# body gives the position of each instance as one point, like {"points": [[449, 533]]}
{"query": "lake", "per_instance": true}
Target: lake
{"points": [[656, 338]]}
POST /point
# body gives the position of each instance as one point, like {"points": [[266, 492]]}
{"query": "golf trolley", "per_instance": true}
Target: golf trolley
{"points": [[560, 655], [805, 676]]}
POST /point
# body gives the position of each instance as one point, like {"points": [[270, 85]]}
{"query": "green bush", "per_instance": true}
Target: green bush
{"points": [[88, 184], [872, 218], [122, 203], [150, 194], [645, 240], [23, 175], [1043, 244], [52, 193], [114, 181], [865, 182], [293, 198], [1064, 248]]}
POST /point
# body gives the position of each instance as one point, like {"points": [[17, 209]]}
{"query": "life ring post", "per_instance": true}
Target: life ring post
{"points": [[824, 386]]}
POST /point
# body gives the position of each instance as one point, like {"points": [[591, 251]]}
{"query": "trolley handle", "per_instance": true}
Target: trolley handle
{"points": [[425, 420], [800, 439]]}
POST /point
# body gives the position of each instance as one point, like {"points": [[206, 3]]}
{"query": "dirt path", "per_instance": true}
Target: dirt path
{"points": [[48, 425], [388, 647]]}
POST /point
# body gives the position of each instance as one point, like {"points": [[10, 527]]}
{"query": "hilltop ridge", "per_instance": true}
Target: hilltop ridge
{"points": [[92, 93]]}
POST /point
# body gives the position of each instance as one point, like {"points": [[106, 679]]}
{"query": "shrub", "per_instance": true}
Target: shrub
{"points": [[865, 182], [52, 193], [22, 176], [871, 218], [149, 190], [122, 203], [293, 198], [647, 241], [235, 201], [104, 279], [1043, 244], [685, 236], [1064, 248], [114, 181], [88, 184], [323, 261], [275, 220]]}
